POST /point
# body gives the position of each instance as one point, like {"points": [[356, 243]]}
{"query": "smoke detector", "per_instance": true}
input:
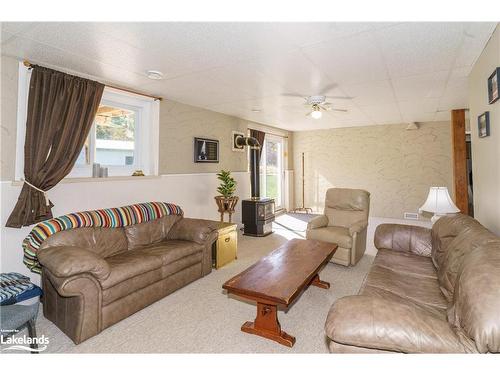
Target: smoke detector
{"points": [[412, 126], [154, 74]]}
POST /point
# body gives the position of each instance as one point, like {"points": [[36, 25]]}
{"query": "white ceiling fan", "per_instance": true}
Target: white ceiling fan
{"points": [[318, 103]]}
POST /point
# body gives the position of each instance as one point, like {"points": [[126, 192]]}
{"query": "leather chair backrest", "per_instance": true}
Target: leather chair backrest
{"points": [[103, 241], [343, 207], [475, 312]]}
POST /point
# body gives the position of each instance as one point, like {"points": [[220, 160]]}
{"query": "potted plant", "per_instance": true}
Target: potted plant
{"points": [[226, 202]]}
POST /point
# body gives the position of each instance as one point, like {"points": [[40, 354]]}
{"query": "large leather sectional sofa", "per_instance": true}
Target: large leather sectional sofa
{"points": [[95, 277], [428, 291]]}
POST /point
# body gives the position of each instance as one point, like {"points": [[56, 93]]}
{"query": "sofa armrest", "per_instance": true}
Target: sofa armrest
{"points": [[383, 324], [358, 226], [196, 230], [407, 238], [202, 232], [67, 261], [318, 222]]}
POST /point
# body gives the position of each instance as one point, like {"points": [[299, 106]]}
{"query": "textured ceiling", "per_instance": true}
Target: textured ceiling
{"points": [[395, 72]]}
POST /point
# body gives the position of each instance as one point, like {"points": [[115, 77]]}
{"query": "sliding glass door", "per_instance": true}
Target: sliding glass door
{"points": [[272, 170]]}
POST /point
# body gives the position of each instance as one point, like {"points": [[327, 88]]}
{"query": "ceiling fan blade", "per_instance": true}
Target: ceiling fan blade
{"points": [[340, 97], [325, 108], [309, 114], [339, 110], [292, 95]]}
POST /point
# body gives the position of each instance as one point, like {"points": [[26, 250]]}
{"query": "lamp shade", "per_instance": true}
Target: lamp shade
{"points": [[439, 202]]}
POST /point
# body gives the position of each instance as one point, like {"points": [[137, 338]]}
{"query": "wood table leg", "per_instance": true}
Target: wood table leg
{"points": [[266, 324], [316, 281]]}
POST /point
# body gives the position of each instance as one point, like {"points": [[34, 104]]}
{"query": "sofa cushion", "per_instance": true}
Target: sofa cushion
{"points": [[171, 250], [422, 290], [139, 268], [444, 232], [150, 232], [338, 235], [466, 241], [102, 241], [405, 238], [476, 305], [143, 280], [406, 263], [130, 285], [126, 265], [380, 323], [437, 311]]}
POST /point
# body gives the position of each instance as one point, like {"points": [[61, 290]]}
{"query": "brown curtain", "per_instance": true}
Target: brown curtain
{"points": [[61, 110], [259, 136]]}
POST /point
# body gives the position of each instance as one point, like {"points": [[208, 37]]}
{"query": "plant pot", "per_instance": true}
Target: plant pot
{"points": [[226, 205]]}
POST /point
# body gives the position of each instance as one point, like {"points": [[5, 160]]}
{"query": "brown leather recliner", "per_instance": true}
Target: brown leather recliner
{"points": [[344, 222], [95, 277], [428, 291]]}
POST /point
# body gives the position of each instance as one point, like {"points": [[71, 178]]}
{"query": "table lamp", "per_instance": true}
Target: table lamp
{"points": [[439, 203]]}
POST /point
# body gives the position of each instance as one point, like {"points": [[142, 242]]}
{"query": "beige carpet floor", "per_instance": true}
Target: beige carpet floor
{"points": [[202, 318]]}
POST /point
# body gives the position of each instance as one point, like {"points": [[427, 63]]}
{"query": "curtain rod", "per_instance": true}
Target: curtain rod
{"points": [[28, 65], [276, 135]]}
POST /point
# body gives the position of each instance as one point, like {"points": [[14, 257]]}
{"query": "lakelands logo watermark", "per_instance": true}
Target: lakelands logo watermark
{"points": [[24, 343]]}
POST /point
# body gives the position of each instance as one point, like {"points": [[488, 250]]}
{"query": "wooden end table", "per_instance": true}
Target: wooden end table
{"points": [[277, 280]]}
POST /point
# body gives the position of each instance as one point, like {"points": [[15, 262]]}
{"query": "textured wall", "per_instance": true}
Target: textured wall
{"points": [[395, 165], [8, 82], [180, 123], [486, 151]]}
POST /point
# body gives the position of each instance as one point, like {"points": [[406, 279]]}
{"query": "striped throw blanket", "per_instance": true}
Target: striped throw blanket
{"points": [[13, 284], [105, 218]]}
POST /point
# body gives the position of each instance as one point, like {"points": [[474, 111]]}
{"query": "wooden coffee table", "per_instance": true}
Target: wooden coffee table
{"points": [[277, 280]]}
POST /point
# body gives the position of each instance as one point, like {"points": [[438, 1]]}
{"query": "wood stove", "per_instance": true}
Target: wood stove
{"points": [[257, 212], [258, 216]]}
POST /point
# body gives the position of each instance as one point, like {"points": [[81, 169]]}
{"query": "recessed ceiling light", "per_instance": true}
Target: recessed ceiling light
{"points": [[154, 74], [256, 110]]}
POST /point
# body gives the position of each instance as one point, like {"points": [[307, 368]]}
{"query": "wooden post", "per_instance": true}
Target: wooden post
{"points": [[459, 160]]}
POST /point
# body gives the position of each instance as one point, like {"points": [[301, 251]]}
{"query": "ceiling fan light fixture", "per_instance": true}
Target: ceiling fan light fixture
{"points": [[316, 112]]}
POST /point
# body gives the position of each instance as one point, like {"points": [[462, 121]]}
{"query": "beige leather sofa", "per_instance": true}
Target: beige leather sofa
{"points": [[95, 277], [428, 291], [344, 222]]}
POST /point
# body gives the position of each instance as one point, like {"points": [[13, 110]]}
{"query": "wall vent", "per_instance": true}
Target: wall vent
{"points": [[411, 215]]}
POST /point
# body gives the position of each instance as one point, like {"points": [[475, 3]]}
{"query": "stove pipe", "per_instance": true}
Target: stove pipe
{"points": [[254, 163]]}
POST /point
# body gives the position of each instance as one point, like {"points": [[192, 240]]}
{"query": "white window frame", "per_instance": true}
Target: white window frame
{"points": [[281, 167], [146, 137]]}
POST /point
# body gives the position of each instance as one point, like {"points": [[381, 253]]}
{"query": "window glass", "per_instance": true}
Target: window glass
{"points": [[115, 136]]}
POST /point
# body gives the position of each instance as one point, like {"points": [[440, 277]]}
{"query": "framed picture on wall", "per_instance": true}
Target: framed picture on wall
{"points": [[206, 150], [494, 86], [483, 125]]}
